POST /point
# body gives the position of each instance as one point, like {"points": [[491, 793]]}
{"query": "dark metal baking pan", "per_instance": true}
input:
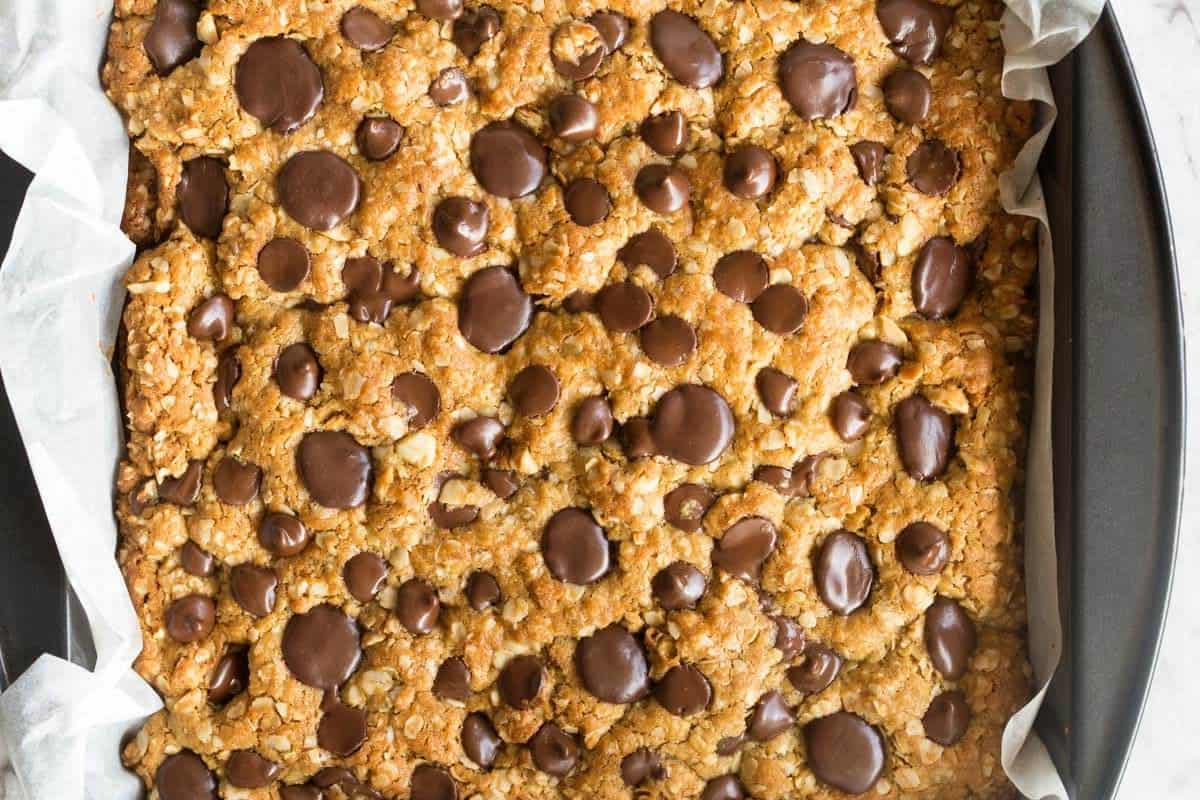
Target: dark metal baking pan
{"points": [[1118, 424]]}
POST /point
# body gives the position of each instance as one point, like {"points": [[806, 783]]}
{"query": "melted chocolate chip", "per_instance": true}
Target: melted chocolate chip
{"points": [[789, 483], [236, 482], [946, 719], [668, 341], [298, 372], [417, 606], [665, 133], [844, 572], [873, 362], [818, 670], [789, 637], [342, 729], [378, 137], [575, 548], [282, 534], [283, 264], [741, 275], [364, 574], [723, 787], [365, 29], [203, 196], [441, 9], [554, 751], [229, 678], [450, 87], [869, 157], [692, 424], [624, 307], [482, 590], [571, 57], [502, 482], [375, 287], [253, 588], [229, 372], [933, 168], [318, 189], [683, 691], [573, 118], [578, 302], [191, 618], [744, 547], [195, 561], [474, 28], [662, 188], [678, 586], [844, 752], [432, 783], [212, 320], [941, 278], [460, 226], [612, 665], [321, 646], [335, 469], [445, 516], [453, 680], [685, 505], [185, 776], [770, 717], [908, 95], [925, 435], [651, 248], [586, 201], [612, 27], [638, 439], [493, 310], [851, 416], [781, 309], [508, 161], [916, 28], [246, 769], [819, 80], [729, 745], [184, 490], [479, 739], [419, 395], [949, 637], [278, 84], [521, 681], [593, 421], [923, 549], [777, 390], [687, 52], [750, 172], [534, 391], [640, 766], [481, 436], [171, 39]]}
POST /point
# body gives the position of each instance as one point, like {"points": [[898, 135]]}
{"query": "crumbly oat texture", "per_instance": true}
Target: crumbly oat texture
{"points": [[570, 399]]}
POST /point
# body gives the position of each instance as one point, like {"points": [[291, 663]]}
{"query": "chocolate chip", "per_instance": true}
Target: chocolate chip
{"points": [[441, 9], [431, 783], [578, 302], [203, 196], [573, 57], [229, 678], [283, 264], [933, 168], [171, 39], [612, 27], [450, 87], [229, 372], [236, 482], [417, 606], [365, 29], [843, 572], [453, 680], [946, 719], [916, 28], [949, 637], [923, 549], [482, 590], [687, 52], [819, 669], [342, 729], [741, 275], [507, 160], [867, 261], [554, 751], [318, 189], [624, 307], [787, 482], [925, 434], [575, 548], [723, 787], [665, 133], [692, 424], [282, 534], [474, 28], [278, 84], [184, 776], [872, 362], [534, 391], [770, 717], [378, 137], [479, 739], [573, 118], [941, 278], [869, 157], [445, 516], [907, 95], [662, 188], [364, 574], [586, 201], [685, 505], [420, 397], [638, 439], [521, 681], [593, 421], [781, 309], [335, 469], [750, 172], [683, 691], [651, 248], [195, 561], [668, 341], [851, 416], [728, 745], [844, 752], [612, 665], [819, 80], [777, 390], [789, 637], [212, 319], [744, 547], [677, 586], [246, 769], [480, 436], [375, 287], [190, 618], [184, 490], [640, 766], [493, 310], [502, 482], [253, 588]]}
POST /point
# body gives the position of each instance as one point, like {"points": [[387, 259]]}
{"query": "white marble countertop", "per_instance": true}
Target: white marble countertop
{"points": [[1163, 37]]}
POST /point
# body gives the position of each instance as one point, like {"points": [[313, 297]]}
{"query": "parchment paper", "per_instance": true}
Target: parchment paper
{"points": [[60, 299]]}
